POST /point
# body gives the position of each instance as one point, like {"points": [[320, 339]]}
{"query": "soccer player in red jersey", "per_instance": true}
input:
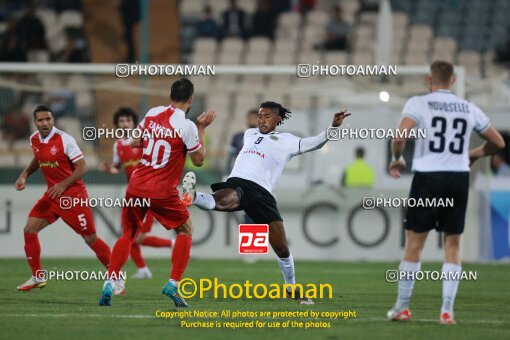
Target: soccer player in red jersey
{"points": [[167, 137], [62, 164], [126, 156]]}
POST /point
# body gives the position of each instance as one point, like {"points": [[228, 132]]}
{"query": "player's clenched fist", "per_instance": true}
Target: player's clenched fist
{"points": [[20, 183], [206, 118], [396, 167], [339, 117]]}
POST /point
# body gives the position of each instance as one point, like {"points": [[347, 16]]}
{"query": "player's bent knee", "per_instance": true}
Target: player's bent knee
{"points": [[226, 201], [29, 229], [140, 238], [89, 239], [185, 228]]}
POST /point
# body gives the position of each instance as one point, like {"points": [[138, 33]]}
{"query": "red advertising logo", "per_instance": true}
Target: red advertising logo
{"points": [[253, 238]]}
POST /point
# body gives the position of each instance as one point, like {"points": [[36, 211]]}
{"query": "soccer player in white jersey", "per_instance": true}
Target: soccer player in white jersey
{"points": [[256, 171], [441, 163]]}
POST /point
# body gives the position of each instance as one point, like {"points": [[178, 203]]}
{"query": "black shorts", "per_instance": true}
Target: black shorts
{"points": [[257, 202], [440, 185]]}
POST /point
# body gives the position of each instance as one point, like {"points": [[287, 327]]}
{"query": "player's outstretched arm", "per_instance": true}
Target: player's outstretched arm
{"points": [[30, 169], [493, 143], [398, 145], [204, 120], [316, 142], [58, 189]]}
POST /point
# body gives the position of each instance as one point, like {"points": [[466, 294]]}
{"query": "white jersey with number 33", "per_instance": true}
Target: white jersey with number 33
{"points": [[448, 121]]}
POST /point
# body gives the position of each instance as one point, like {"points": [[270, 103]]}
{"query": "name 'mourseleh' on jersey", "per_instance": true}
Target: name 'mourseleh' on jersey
{"points": [[449, 122]]}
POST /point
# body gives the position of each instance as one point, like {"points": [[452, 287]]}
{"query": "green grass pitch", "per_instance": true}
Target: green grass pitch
{"points": [[69, 310]]}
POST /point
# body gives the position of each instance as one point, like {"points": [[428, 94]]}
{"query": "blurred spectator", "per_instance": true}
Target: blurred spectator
{"points": [[31, 31], [64, 5], [130, 12], [359, 174], [499, 166], [8, 8], [16, 126], [207, 26], [305, 6], [337, 32], [74, 51], [62, 103], [281, 6], [238, 140], [234, 21], [10, 46], [503, 51], [264, 20], [373, 5]]}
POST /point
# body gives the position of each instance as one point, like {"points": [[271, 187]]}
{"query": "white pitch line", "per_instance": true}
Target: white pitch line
{"points": [[141, 316]]}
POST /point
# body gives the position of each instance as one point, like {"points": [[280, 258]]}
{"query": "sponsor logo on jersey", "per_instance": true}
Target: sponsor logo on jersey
{"points": [[48, 164], [131, 162], [255, 151]]}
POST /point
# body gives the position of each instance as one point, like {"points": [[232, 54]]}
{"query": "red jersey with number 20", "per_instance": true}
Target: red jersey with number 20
{"points": [[168, 136]]}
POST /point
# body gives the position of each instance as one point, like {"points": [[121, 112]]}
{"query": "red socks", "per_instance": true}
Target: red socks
{"points": [[180, 256], [33, 252], [136, 255], [120, 254], [157, 242], [102, 251]]}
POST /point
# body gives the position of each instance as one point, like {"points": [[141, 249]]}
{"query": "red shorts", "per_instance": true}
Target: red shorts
{"points": [[170, 212], [78, 217], [147, 223]]}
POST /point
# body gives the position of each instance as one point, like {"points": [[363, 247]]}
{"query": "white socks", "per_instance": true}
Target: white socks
{"points": [[405, 287], [204, 201], [287, 267], [450, 286]]}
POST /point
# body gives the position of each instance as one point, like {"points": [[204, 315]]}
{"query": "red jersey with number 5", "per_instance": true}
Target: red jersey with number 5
{"points": [[168, 136]]}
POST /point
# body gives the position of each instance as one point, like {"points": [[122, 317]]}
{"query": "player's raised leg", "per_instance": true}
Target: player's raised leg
{"points": [[451, 268], [222, 200], [33, 253], [410, 265]]}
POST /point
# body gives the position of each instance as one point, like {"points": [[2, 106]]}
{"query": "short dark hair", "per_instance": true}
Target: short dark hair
{"points": [[360, 152], [182, 90], [41, 108], [441, 72], [125, 112], [278, 109]]}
